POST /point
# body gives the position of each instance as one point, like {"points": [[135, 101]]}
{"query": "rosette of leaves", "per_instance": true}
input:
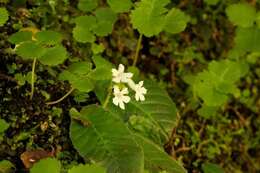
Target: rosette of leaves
{"points": [[89, 26], [44, 46], [150, 17], [215, 85]]}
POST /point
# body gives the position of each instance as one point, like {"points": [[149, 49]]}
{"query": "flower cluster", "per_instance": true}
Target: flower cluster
{"points": [[121, 97]]}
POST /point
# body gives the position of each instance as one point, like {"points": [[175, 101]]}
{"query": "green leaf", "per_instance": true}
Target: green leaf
{"points": [[97, 48], [6, 167], [84, 25], [3, 16], [207, 112], [87, 5], [215, 85], [78, 76], [157, 106], [120, 6], [54, 56], [175, 21], [83, 84], [241, 14], [106, 140], [86, 22], [46, 165], [156, 159], [105, 21], [247, 39], [48, 37], [20, 36], [87, 169], [80, 68], [102, 73], [82, 35], [30, 50], [211, 168], [149, 16], [3, 125]]}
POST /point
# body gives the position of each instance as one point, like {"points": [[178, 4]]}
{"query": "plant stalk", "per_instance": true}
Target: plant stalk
{"points": [[62, 98], [138, 47], [108, 96], [32, 79]]}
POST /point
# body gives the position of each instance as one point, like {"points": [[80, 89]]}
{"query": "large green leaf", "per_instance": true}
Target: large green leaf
{"points": [[87, 169], [157, 106], [241, 14], [156, 159], [102, 137]]}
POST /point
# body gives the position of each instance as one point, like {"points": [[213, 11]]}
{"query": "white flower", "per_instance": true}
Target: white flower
{"points": [[120, 97], [140, 91], [120, 76]]}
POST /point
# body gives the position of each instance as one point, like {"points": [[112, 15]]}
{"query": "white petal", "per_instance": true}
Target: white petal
{"points": [[121, 68], [115, 101], [116, 80], [128, 75], [124, 91], [126, 99], [143, 90], [136, 96], [114, 72], [142, 98], [141, 83], [122, 105]]}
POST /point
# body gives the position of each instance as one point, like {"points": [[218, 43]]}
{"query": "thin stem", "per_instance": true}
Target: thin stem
{"points": [[138, 47], [32, 79], [62, 98], [108, 96]]}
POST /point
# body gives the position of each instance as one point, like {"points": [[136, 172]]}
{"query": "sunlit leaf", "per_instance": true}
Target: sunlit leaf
{"points": [[241, 14], [106, 140]]}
